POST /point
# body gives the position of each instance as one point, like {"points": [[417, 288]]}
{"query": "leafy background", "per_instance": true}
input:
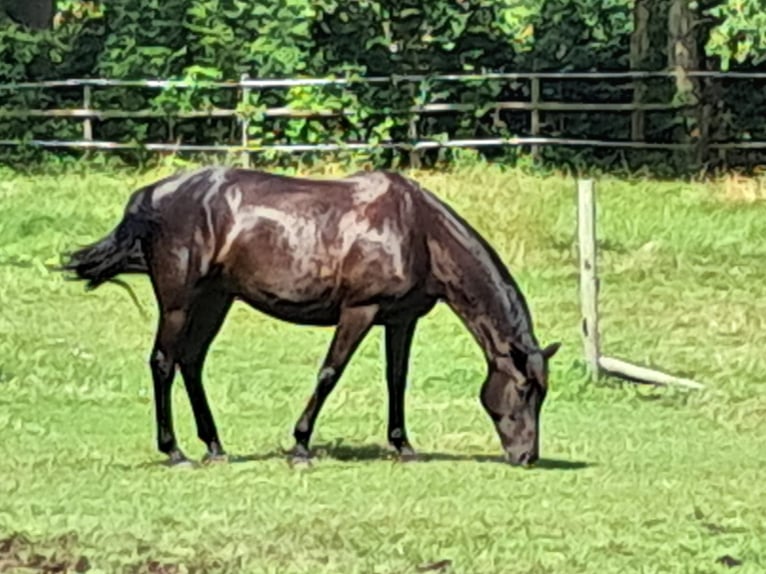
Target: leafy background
{"points": [[203, 40]]}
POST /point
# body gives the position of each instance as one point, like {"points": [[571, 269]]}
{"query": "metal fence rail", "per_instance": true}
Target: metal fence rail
{"points": [[534, 105]]}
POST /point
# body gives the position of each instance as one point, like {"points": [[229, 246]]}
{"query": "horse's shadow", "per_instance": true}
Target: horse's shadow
{"points": [[375, 452]]}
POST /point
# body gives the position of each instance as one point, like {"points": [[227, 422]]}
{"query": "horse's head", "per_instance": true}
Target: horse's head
{"points": [[513, 396]]}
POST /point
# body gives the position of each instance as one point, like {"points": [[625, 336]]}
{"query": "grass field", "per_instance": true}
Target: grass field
{"points": [[632, 479]]}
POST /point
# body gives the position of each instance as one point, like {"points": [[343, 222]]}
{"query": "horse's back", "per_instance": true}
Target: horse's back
{"points": [[293, 243]]}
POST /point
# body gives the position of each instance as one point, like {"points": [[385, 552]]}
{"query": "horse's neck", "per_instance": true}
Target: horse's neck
{"points": [[496, 324], [481, 294]]}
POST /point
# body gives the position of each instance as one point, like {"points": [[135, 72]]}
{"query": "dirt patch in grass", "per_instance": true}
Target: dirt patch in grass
{"points": [[154, 567], [19, 552]]}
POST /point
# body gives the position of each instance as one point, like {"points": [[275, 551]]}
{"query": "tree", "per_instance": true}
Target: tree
{"points": [[36, 14]]}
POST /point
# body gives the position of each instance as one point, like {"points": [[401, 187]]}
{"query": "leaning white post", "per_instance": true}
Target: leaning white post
{"points": [[586, 224], [597, 364], [636, 373]]}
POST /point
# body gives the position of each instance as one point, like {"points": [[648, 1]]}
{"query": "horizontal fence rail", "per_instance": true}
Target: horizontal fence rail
{"points": [[290, 82], [534, 105]]}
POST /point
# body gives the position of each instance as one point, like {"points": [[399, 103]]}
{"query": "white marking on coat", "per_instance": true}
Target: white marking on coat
{"points": [[171, 186], [215, 182], [301, 233], [182, 254], [205, 252], [353, 228], [216, 174], [369, 186]]}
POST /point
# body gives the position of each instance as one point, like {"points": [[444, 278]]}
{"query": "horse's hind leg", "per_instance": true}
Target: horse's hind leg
{"points": [[205, 320], [398, 344], [172, 282], [354, 324], [163, 366]]}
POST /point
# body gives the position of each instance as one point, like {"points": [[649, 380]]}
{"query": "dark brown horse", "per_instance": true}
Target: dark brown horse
{"points": [[372, 248]]}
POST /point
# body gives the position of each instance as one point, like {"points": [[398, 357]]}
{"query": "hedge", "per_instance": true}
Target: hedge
{"points": [[203, 40]]}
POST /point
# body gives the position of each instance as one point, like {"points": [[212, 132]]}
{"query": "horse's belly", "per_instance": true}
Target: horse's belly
{"points": [[317, 312], [284, 278], [289, 295], [281, 276]]}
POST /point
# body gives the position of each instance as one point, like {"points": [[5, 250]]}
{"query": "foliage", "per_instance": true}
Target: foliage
{"points": [[205, 40], [740, 35], [577, 35], [633, 479]]}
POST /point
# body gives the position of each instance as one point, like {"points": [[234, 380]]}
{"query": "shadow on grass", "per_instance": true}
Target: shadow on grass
{"points": [[373, 452], [369, 453]]}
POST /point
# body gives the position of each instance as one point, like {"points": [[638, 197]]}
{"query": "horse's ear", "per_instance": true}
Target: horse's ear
{"points": [[550, 350]]}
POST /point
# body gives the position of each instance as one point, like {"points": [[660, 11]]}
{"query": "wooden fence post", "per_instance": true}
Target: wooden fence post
{"points": [[412, 130], [245, 123], [637, 131], [534, 122], [87, 126], [586, 225]]}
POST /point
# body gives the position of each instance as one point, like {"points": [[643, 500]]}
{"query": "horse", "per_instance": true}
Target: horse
{"points": [[370, 248]]}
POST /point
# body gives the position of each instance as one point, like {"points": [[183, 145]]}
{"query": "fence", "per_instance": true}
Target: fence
{"points": [[535, 106]]}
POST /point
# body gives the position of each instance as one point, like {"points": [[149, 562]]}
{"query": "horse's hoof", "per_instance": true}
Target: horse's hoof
{"points": [[300, 461], [403, 453], [408, 455], [181, 463], [219, 458], [177, 459]]}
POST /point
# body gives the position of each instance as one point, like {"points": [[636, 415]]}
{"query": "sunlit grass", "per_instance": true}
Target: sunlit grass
{"points": [[633, 479]]}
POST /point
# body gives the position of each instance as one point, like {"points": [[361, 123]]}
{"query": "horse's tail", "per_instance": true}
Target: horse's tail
{"points": [[122, 251]]}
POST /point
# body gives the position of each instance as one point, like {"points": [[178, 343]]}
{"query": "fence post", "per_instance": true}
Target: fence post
{"points": [[412, 130], [586, 225], [245, 122], [534, 88], [637, 115], [87, 126]]}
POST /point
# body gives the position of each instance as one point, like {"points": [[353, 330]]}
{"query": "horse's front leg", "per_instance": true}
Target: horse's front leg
{"points": [[398, 344], [354, 324]]}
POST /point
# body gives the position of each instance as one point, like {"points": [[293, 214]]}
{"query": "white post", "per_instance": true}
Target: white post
{"points": [[597, 364], [586, 224], [245, 123], [534, 120], [412, 131], [87, 126]]}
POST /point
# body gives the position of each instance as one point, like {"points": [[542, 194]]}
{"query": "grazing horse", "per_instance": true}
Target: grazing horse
{"points": [[371, 248]]}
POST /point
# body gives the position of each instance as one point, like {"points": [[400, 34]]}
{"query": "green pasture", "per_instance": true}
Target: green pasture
{"points": [[632, 478]]}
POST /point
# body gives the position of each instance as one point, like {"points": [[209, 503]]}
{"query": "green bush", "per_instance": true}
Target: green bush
{"points": [[207, 40]]}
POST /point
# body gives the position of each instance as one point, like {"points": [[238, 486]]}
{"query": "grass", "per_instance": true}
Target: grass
{"points": [[633, 479]]}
